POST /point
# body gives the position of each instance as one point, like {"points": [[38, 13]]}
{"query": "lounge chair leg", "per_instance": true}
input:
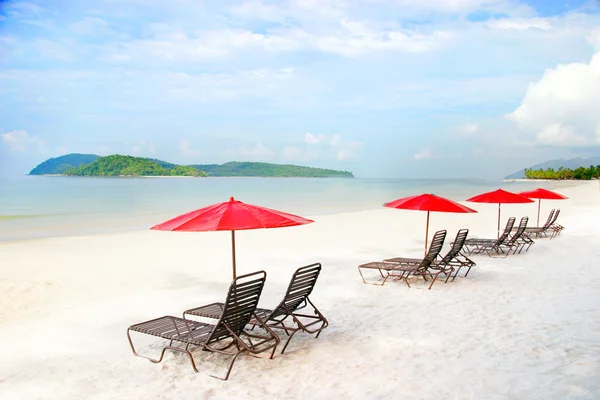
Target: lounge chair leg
{"points": [[288, 341], [433, 277], [230, 366]]}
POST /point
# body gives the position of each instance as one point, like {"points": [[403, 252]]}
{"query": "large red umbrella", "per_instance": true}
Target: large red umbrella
{"points": [[499, 196], [428, 202], [540, 194], [232, 215]]}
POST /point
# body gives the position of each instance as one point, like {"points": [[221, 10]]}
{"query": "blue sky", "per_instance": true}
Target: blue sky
{"points": [[384, 88]]}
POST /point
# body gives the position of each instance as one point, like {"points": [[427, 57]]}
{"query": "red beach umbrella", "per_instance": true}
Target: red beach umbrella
{"points": [[499, 196], [428, 202], [232, 215], [540, 194]]}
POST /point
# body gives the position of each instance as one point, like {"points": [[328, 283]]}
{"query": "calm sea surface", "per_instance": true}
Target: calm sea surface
{"points": [[45, 206]]}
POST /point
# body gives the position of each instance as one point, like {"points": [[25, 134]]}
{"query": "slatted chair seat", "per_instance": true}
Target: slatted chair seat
{"points": [[490, 246], [296, 298], [174, 328], [226, 336], [402, 268]]}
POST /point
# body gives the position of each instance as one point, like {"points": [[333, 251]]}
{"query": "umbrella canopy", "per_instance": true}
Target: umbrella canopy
{"points": [[429, 202], [500, 196], [232, 215], [540, 194]]}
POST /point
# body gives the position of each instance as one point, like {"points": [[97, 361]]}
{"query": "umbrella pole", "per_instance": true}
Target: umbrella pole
{"points": [[426, 233], [233, 251], [498, 220], [539, 204]]}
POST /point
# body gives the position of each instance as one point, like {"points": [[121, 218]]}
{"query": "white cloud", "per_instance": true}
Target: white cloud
{"points": [[62, 149], [356, 39], [149, 147], [349, 151], [469, 129], [301, 154], [313, 139], [90, 26], [21, 141], [323, 147], [520, 24], [186, 149], [424, 154], [256, 152], [335, 139], [561, 109], [53, 50]]}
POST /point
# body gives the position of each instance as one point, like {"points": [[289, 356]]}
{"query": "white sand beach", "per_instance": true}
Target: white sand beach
{"points": [[524, 327]]}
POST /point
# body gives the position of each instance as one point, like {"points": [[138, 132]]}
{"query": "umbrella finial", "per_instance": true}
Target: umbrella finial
{"points": [[231, 199]]}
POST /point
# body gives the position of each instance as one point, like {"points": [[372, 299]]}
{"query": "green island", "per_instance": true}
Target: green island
{"points": [[121, 165], [580, 173]]}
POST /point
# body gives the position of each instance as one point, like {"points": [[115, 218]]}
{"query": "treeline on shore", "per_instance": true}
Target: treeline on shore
{"points": [[581, 173]]}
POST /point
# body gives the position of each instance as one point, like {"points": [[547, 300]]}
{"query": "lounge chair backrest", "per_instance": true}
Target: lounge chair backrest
{"points": [[555, 217], [434, 250], [461, 236], [549, 220], [239, 306], [520, 229], [509, 225], [301, 286]]}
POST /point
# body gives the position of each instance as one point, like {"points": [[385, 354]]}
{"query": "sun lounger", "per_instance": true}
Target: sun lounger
{"points": [[296, 298], [226, 336], [556, 227], [402, 268], [455, 257], [519, 239], [541, 230], [522, 241], [490, 246]]}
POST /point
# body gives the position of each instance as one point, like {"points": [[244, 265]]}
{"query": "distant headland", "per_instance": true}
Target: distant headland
{"points": [[120, 165]]}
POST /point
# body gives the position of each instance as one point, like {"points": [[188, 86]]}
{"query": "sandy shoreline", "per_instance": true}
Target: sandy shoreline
{"points": [[522, 327]]}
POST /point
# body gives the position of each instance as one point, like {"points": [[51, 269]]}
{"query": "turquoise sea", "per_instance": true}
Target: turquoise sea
{"points": [[52, 206]]}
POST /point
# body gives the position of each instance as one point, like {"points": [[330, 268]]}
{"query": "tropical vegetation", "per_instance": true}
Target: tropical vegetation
{"points": [[118, 165], [236, 168], [59, 165], [593, 172]]}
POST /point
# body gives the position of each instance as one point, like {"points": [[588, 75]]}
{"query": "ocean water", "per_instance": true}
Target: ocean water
{"points": [[51, 206]]}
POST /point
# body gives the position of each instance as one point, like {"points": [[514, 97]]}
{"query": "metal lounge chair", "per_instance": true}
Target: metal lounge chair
{"points": [[517, 241], [522, 241], [556, 227], [402, 268], [541, 230], [296, 298], [226, 336], [478, 246], [455, 257]]}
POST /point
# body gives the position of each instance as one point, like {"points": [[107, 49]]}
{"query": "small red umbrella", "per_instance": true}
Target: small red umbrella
{"points": [[232, 215], [540, 194], [428, 202], [499, 196]]}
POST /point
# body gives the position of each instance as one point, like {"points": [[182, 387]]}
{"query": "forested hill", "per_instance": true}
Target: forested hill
{"points": [[59, 165], [118, 165], [236, 168]]}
